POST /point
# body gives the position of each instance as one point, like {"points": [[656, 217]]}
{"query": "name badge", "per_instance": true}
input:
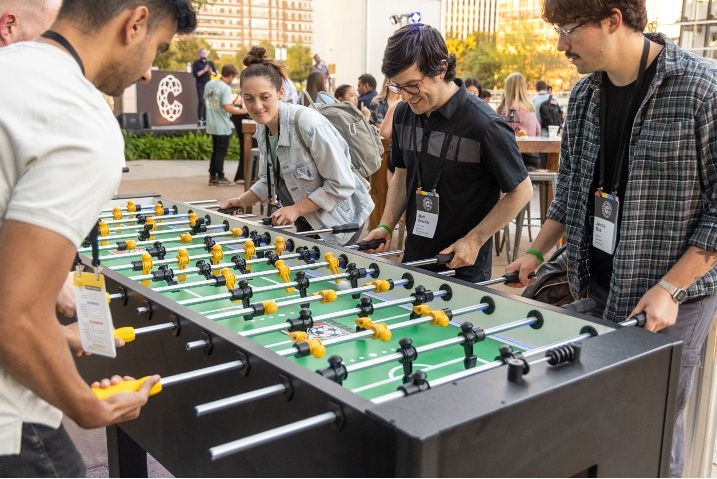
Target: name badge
{"points": [[93, 314], [607, 208], [426, 214]]}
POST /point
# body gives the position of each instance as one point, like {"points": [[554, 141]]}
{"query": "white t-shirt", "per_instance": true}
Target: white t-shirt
{"points": [[61, 154]]}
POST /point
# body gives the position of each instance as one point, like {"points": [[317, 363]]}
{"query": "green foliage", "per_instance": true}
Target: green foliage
{"points": [[189, 146], [298, 61], [519, 47], [184, 49]]}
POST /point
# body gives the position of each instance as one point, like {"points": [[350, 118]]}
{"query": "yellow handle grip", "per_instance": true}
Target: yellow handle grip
{"points": [[126, 334], [124, 387]]}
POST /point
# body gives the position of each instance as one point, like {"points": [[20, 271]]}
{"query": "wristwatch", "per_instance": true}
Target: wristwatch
{"points": [[678, 294]]}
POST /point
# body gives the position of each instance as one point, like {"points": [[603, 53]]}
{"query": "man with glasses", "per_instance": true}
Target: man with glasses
{"points": [[453, 156], [637, 185]]}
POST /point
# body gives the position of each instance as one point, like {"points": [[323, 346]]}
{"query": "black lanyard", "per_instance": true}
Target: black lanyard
{"points": [[50, 35], [95, 233], [627, 135], [421, 154], [272, 171]]}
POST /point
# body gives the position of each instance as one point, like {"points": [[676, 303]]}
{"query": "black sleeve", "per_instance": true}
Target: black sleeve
{"points": [[500, 150]]}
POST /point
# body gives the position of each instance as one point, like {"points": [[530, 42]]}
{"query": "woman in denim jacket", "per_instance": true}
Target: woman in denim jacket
{"points": [[313, 190]]}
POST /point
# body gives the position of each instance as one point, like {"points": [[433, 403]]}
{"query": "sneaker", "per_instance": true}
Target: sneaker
{"points": [[222, 181], [213, 181]]}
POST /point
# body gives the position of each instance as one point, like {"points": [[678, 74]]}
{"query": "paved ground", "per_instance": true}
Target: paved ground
{"points": [[188, 181]]}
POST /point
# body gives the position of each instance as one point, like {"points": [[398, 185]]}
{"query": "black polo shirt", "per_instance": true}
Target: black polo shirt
{"points": [[481, 161]]}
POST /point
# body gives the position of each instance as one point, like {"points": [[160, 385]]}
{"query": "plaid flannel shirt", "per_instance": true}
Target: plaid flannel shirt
{"points": [[670, 202]]}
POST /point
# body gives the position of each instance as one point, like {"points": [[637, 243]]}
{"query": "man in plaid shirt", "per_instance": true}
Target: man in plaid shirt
{"points": [[637, 184]]}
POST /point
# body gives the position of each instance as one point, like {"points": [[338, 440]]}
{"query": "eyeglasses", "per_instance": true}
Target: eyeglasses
{"points": [[410, 89], [566, 33]]}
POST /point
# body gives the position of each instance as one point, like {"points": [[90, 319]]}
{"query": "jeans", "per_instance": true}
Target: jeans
{"points": [[220, 145], [45, 452], [201, 107], [694, 319]]}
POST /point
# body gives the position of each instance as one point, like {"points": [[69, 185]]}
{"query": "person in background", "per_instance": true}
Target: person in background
{"points": [[91, 46], [549, 89], [290, 94], [346, 93], [314, 84], [540, 97], [380, 103], [637, 186], [311, 187], [202, 69], [220, 107], [519, 112], [366, 90], [23, 20], [473, 87], [321, 67], [486, 95], [455, 188]]}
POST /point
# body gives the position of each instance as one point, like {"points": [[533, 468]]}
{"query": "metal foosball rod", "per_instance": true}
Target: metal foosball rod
{"points": [[171, 249], [263, 289], [283, 387], [216, 281], [136, 384], [185, 238], [129, 334], [306, 320], [586, 332], [131, 207]]}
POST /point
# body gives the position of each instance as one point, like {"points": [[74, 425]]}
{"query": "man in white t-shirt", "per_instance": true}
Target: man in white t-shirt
{"points": [[62, 153]]}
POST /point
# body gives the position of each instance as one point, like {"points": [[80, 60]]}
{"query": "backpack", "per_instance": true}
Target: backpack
{"points": [[363, 138], [550, 113], [552, 284]]}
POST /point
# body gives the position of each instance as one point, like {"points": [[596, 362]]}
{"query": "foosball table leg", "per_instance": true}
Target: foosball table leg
{"points": [[125, 457]]}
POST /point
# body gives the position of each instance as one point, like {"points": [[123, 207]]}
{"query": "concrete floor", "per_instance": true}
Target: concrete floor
{"points": [[188, 181]]}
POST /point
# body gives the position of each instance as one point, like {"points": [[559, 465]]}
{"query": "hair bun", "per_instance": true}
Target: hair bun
{"points": [[255, 55]]}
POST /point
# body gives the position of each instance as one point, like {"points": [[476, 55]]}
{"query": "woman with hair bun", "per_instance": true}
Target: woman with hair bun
{"points": [[312, 187]]}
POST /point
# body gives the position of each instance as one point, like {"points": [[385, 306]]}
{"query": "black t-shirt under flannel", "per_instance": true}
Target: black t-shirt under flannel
{"points": [[482, 160]]}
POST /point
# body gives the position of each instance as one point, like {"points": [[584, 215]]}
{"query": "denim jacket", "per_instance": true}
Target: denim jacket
{"points": [[324, 176]]}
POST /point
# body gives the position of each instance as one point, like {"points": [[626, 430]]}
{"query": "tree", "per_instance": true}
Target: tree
{"points": [[476, 57], [298, 61], [183, 50]]}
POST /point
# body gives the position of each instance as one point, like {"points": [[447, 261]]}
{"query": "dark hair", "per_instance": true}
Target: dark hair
{"points": [[473, 82], [93, 15], [369, 80], [420, 44], [540, 85], [229, 70], [486, 94], [315, 83], [560, 12], [341, 91], [259, 65]]}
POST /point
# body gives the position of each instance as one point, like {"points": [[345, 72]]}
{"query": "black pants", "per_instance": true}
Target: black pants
{"points": [[45, 452], [201, 109], [220, 145]]}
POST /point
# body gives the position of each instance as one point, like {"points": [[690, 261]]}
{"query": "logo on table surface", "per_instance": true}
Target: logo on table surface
{"points": [[170, 110], [427, 203], [606, 210]]}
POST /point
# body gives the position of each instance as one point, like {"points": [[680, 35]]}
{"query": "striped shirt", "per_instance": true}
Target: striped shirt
{"points": [[670, 201]]}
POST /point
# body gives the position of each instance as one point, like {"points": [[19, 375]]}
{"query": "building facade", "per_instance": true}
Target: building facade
{"points": [[463, 17], [698, 27], [229, 25]]}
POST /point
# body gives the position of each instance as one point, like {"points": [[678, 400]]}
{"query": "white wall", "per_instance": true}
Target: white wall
{"points": [[353, 34]]}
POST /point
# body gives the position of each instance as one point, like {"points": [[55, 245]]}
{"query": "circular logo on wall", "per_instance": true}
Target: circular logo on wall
{"points": [[169, 110], [606, 209], [427, 203]]}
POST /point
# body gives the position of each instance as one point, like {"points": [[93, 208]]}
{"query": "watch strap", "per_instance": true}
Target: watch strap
{"points": [[678, 294]]}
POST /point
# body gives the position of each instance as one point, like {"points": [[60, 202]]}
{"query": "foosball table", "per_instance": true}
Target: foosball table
{"points": [[283, 356]]}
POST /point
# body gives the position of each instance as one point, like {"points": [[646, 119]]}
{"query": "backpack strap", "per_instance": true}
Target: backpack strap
{"points": [[298, 113]]}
